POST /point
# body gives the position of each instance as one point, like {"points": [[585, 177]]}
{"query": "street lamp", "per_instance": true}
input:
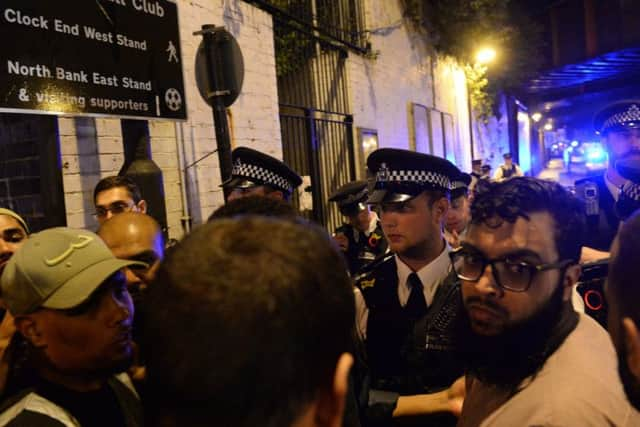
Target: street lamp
{"points": [[485, 55]]}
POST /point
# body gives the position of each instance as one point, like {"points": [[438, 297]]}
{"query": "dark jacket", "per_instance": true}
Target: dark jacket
{"points": [[362, 249], [406, 357], [601, 218]]}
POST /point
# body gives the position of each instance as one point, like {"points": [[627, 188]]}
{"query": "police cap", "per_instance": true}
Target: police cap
{"points": [[351, 197], [252, 168], [618, 116], [402, 175], [460, 185]]}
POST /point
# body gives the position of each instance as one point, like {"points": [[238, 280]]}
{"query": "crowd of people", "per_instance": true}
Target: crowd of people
{"points": [[445, 299]]}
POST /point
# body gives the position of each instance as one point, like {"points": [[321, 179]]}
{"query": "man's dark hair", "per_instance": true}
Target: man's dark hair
{"points": [[624, 269], [254, 205], [118, 181], [495, 202], [250, 316]]}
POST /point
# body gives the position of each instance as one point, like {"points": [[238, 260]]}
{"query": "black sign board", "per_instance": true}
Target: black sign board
{"points": [[98, 57]]}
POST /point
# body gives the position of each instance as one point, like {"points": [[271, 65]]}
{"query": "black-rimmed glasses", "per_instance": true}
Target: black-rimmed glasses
{"points": [[510, 274]]}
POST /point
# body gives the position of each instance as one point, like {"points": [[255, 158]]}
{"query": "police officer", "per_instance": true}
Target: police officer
{"points": [[361, 238], [508, 169], [459, 213], [476, 168], [258, 174], [405, 301], [486, 171], [476, 173], [619, 126]]}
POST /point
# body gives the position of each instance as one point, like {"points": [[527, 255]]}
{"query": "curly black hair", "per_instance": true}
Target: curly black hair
{"points": [[495, 202]]}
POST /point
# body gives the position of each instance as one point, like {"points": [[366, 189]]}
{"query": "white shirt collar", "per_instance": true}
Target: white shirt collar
{"points": [[431, 276]]}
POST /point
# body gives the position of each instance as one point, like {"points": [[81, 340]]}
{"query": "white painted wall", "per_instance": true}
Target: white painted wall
{"points": [[382, 89], [403, 70], [92, 148]]}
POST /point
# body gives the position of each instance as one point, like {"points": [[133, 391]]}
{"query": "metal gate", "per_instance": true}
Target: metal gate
{"points": [[312, 40], [319, 144], [316, 124]]}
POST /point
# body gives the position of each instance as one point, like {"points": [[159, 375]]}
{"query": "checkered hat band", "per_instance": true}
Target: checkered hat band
{"points": [[458, 184], [632, 191], [417, 176], [259, 173], [631, 115]]}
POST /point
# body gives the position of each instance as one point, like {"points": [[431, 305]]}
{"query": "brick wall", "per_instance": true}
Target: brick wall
{"points": [[92, 148], [382, 87], [400, 72]]}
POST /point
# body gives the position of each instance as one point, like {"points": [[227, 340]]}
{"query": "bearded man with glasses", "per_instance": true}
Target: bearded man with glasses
{"points": [[530, 358]]}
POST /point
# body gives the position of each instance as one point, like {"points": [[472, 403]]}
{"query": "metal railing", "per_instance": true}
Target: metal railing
{"points": [[319, 144]]}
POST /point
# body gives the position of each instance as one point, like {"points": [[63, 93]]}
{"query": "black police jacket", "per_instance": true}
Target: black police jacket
{"points": [[601, 218], [406, 357], [365, 249]]}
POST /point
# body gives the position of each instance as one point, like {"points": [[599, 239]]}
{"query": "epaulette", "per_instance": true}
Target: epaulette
{"points": [[368, 268]]}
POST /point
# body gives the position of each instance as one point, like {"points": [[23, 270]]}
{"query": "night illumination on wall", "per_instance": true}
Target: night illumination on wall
{"points": [[524, 141]]}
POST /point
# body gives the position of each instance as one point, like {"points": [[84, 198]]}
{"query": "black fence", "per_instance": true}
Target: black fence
{"points": [[339, 22], [313, 39], [318, 144]]}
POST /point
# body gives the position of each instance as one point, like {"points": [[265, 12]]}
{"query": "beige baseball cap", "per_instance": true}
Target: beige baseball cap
{"points": [[58, 268], [12, 214]]}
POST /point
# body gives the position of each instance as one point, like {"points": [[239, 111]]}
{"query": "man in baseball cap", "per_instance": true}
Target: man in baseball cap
{"points": [[258, 174], [69, 297]]}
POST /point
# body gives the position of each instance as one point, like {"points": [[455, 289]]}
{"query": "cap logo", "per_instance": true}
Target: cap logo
{"points": [[383, 173], [84, 241], [237, 165]]}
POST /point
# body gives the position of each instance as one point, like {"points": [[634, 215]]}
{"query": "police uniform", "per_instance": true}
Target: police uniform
{"points": [[598, 194], [505, 172], [252, 168], [408, 353], [629, 198], [474, 174], [460, 187], [364, 246]]}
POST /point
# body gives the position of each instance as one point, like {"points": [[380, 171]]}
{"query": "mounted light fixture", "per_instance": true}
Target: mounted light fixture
{"points": [[485, 55]]}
